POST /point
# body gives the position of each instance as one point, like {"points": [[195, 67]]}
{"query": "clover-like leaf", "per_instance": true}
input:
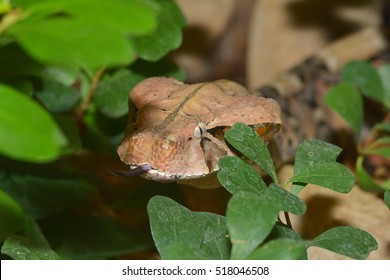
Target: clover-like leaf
{"points": [[178, 232], [281, 249], [331, 175], [250, 219], [348, 103], [249, 143], [236, 175], [348, 241], [363, 75]]}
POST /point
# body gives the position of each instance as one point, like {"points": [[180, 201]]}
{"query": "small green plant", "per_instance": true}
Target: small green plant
{"points": [[359, 80], [251, 228], [66, 69]]}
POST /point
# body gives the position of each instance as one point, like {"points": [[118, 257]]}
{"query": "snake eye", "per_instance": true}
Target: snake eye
{"points": [[199, 130]]}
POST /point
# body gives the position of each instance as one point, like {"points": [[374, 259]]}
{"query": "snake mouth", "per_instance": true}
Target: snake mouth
{"points": [[135, 170], [147, 171]]}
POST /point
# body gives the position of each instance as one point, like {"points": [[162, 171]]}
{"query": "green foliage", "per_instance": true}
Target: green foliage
{"points": [[348, 103], [360, 79], [247, 141], [252, 212], [11, 215], [27, 131], [23, 248], [190, 235], [66, 70], [351, 242]]}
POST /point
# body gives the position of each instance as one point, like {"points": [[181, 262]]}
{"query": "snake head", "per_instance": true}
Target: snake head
{"points": [[163, 156]]}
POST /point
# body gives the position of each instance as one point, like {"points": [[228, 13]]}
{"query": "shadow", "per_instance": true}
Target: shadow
{"points": [[319, 217], [324, 14]]}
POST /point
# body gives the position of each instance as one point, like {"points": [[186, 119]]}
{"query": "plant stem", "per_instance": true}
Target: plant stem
{"points": [[288, 221], [87, 100]]}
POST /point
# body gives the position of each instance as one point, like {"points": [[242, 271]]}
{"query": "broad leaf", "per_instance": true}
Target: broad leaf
{"points": [[281, 249], [57, 97], [23, 248], [71, 42], [363, 75], [27, 131], [248, 142], [286, 201], [250, 219], [331, 175], [348, 103], [167, 36], [112, 93], [11, 216], [384, 73], [236, 175], [310, 153], [179, 232], [366, 182], [348, 241]]}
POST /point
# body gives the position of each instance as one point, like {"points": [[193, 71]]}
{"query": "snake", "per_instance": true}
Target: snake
{"points": [[182, 141]]}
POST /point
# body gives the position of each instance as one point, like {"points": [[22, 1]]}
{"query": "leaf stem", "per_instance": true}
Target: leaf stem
{"points": [[288, 221], [88, 98]]}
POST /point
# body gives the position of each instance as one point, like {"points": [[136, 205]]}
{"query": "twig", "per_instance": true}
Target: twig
{"points": [[288, 221], [87, 100]]}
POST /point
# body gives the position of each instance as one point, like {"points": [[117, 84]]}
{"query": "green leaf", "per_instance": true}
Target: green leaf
{"points": [[348, 103], [23, 248], [57, 97], [348, 241], [112, 93], [331, 175], [286, 201], [167, 36], [27, 132], [250, 218], [381, 151], [176, 230], [63, 41], [281, 249], [130, 17], [363, 75], [248, 142], [387, 198], [42, 196], [66, 76], [365, 180], [384, 73], [281, 231], [11, 216], [236, 175], [313, 152], [383, 126], [310, 153]]}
